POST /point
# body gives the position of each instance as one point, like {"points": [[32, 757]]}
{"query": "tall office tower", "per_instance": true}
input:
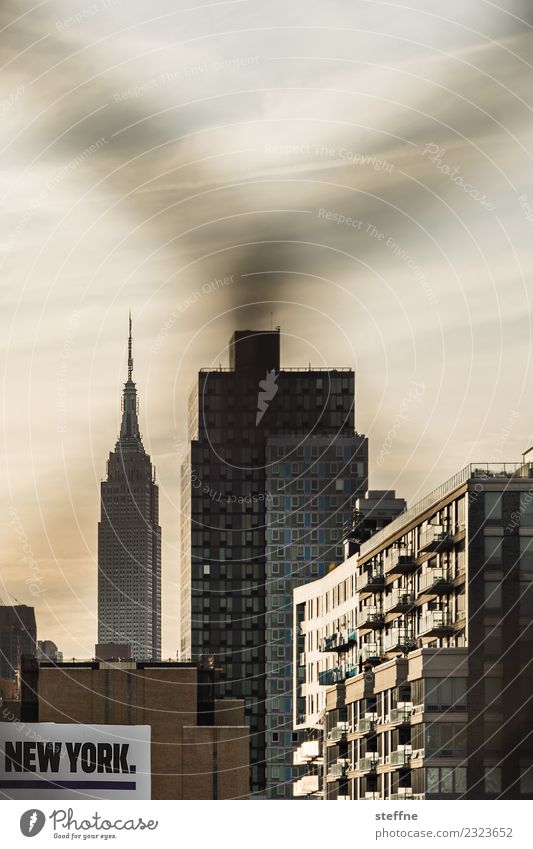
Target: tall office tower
{"points": [[129, 541], [274, 467], [18, 636]]}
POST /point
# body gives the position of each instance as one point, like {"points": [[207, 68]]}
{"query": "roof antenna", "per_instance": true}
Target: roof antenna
{"points": [[130, 358]]}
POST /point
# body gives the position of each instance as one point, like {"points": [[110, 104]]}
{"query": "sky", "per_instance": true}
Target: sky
{"points": [[357, 172]]}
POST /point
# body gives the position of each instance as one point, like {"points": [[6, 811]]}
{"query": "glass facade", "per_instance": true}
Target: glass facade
{"points": [[273, 469]]}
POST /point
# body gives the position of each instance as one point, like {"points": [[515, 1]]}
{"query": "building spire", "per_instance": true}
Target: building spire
{"points": [[130, 358], [129, 428]]}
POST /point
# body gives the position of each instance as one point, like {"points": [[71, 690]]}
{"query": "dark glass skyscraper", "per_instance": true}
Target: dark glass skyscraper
{"points": [[129, 541], [274, 467]]}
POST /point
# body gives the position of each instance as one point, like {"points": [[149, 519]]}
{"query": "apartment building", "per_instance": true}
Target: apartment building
{"points": [[413, 659]]}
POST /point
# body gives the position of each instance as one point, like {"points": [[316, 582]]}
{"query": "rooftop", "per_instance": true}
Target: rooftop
{"points": [[504, 472]]}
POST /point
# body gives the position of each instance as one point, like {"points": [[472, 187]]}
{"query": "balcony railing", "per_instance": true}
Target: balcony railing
{"points": [[368, 763], [400, 715], [371, 582], [438, 622], [367, 724], [338, 733], [330, 676], [337, 675], [307, 751], [340, 768], [477, 471], [435, 538], [371, 617], [339, 641], [400, 758], [399, 601], [401, 561], [306, 786], [371, 652], [405, 793], [372, 796], [399, 639], [436, 582]]}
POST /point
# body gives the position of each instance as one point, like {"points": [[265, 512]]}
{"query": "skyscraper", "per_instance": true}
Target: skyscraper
{"points": [[274, 467], [18, 636], [129, 540]]}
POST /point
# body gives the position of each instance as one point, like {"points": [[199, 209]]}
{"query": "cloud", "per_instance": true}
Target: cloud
{"points": [[227, 128]]}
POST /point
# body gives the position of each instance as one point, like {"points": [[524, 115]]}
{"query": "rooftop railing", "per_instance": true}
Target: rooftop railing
{"points": [[477, 471]]}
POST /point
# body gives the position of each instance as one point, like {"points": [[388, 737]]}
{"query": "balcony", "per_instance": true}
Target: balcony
{"points": [[401, 715], [338, 769], [401, 758], [399, 601], [368, 723], [338, 733], [371, 652], [369, 796], [306, 752], [399, 640], [403, 793], [337, 675], [370, 617], [339, 641], [301, 659], [436, 582], [331, 676], [401, 561], [369, 763], [306, 786], [438, 623], [371, 582], [435, 538]]}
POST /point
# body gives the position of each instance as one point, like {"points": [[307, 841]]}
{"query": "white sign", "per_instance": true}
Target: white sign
{"points": [[49, 760]]}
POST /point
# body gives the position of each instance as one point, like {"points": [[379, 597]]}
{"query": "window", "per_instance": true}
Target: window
{"points": [[492, 643], [526, 554], [445, 694], [526, 508], [445, 781], [493, 693], [445, 739], [493, 551], [493, 507], [493, 595], [493, 780], [526, 779], [526, 599]]}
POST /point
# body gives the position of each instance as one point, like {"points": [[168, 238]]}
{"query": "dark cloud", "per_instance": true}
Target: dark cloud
{"points": [[248, 141]]}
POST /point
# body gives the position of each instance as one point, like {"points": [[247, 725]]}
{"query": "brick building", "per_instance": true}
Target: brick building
{"points": [[199, 744]]}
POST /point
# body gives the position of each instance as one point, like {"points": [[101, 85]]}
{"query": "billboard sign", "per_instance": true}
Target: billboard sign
{"points": [[49, 760]]}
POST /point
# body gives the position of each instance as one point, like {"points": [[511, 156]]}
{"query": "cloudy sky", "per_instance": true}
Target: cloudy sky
{"points": [[357, 171]]}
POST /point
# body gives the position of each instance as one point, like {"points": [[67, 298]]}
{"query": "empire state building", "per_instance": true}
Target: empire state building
{"points": [[129, 540]]}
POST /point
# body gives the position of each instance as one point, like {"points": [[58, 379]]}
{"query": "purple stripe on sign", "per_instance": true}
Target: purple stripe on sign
{"points": [[68, 785]]}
